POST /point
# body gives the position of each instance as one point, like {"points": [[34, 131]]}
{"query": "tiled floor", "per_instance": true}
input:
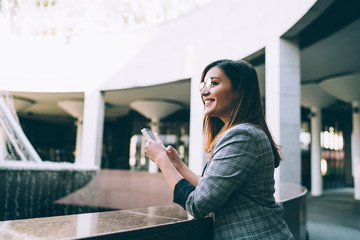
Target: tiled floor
{"points": [[333, 216]]}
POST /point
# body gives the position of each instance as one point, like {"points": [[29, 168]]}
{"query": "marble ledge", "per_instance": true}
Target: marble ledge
{"points": [[172, 219], [91, 224]]}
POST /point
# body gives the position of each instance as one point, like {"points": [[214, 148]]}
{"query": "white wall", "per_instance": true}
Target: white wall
{"points": [[162, 53], [222, 29]]}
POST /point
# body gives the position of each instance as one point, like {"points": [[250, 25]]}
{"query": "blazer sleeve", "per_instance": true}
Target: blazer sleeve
{"points": [[232, 162]]}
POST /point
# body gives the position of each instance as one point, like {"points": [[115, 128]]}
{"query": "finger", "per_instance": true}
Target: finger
{"points": [[157, 137], [171, 152], [147, 137], [170, 149]]}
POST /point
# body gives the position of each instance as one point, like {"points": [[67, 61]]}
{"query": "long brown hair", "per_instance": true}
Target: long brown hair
{"points": [[247, 106]]}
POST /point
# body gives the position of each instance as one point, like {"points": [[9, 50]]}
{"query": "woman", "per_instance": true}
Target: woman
{"points": [[237, 184]]}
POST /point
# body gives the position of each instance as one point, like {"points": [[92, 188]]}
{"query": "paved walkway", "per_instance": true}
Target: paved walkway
{"points": [[333, 216]]}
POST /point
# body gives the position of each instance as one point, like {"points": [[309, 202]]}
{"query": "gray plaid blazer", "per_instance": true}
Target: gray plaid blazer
{"points": [[238, 186]]}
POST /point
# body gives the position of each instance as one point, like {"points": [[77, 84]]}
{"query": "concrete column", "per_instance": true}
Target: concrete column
{"points": [[79, 125], [197, 158], [316, 177], [356, 148], [93, 124], [283, 105]]}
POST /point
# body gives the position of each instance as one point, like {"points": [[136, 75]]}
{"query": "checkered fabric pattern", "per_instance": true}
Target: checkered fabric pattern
{"points": [[238, 186]]}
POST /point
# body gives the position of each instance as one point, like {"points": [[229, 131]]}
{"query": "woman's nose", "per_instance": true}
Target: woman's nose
{"points": [[204, 92]]}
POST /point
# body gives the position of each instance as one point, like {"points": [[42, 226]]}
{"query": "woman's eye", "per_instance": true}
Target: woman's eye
{"points": [[214, 83]]}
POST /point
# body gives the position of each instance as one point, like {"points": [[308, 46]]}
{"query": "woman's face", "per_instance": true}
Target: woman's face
{"points": [[217, 96]]}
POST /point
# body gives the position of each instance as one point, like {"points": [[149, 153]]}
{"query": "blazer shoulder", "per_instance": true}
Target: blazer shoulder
{"points": [[239, 133], [243, 129], [240, 136]]}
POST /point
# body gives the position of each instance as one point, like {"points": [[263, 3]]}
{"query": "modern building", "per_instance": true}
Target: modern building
{"points": [[83, 94]]}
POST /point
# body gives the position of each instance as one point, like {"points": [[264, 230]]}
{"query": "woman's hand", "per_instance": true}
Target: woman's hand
{"points": [[154, 150], [174, 157], [181, 167]]}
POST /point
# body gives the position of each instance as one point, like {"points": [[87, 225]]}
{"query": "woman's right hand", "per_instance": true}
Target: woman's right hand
{"points": [[174, 157]]}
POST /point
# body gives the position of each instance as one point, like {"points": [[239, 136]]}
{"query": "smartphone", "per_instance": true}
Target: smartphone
{"points": [[151, 135]]}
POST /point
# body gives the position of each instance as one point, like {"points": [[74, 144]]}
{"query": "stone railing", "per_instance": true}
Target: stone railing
{"points": [[163, 222]]}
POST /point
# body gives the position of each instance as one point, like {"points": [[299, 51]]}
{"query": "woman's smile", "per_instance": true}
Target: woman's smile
{"points": [[208, 101]]}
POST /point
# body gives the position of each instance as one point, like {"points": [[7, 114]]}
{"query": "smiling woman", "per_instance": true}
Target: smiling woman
{"points": [[237, 183]]}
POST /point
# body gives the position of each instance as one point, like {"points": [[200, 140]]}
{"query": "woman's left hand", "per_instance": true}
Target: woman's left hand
{"points": [[154, 150]]}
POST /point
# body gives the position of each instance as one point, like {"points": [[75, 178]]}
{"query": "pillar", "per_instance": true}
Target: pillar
{"points": [[282, 66], [316, 177], [197, 157], [356, 148], [79, 123], [92, 132]]}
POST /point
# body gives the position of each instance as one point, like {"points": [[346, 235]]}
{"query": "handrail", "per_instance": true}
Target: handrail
{"points": [[18, 132]]}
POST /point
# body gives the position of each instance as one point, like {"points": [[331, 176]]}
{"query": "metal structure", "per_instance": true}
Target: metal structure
{"points": [[16, 139]]}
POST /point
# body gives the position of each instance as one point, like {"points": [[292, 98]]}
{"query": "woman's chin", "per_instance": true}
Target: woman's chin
{"points": [[209, 114]]}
